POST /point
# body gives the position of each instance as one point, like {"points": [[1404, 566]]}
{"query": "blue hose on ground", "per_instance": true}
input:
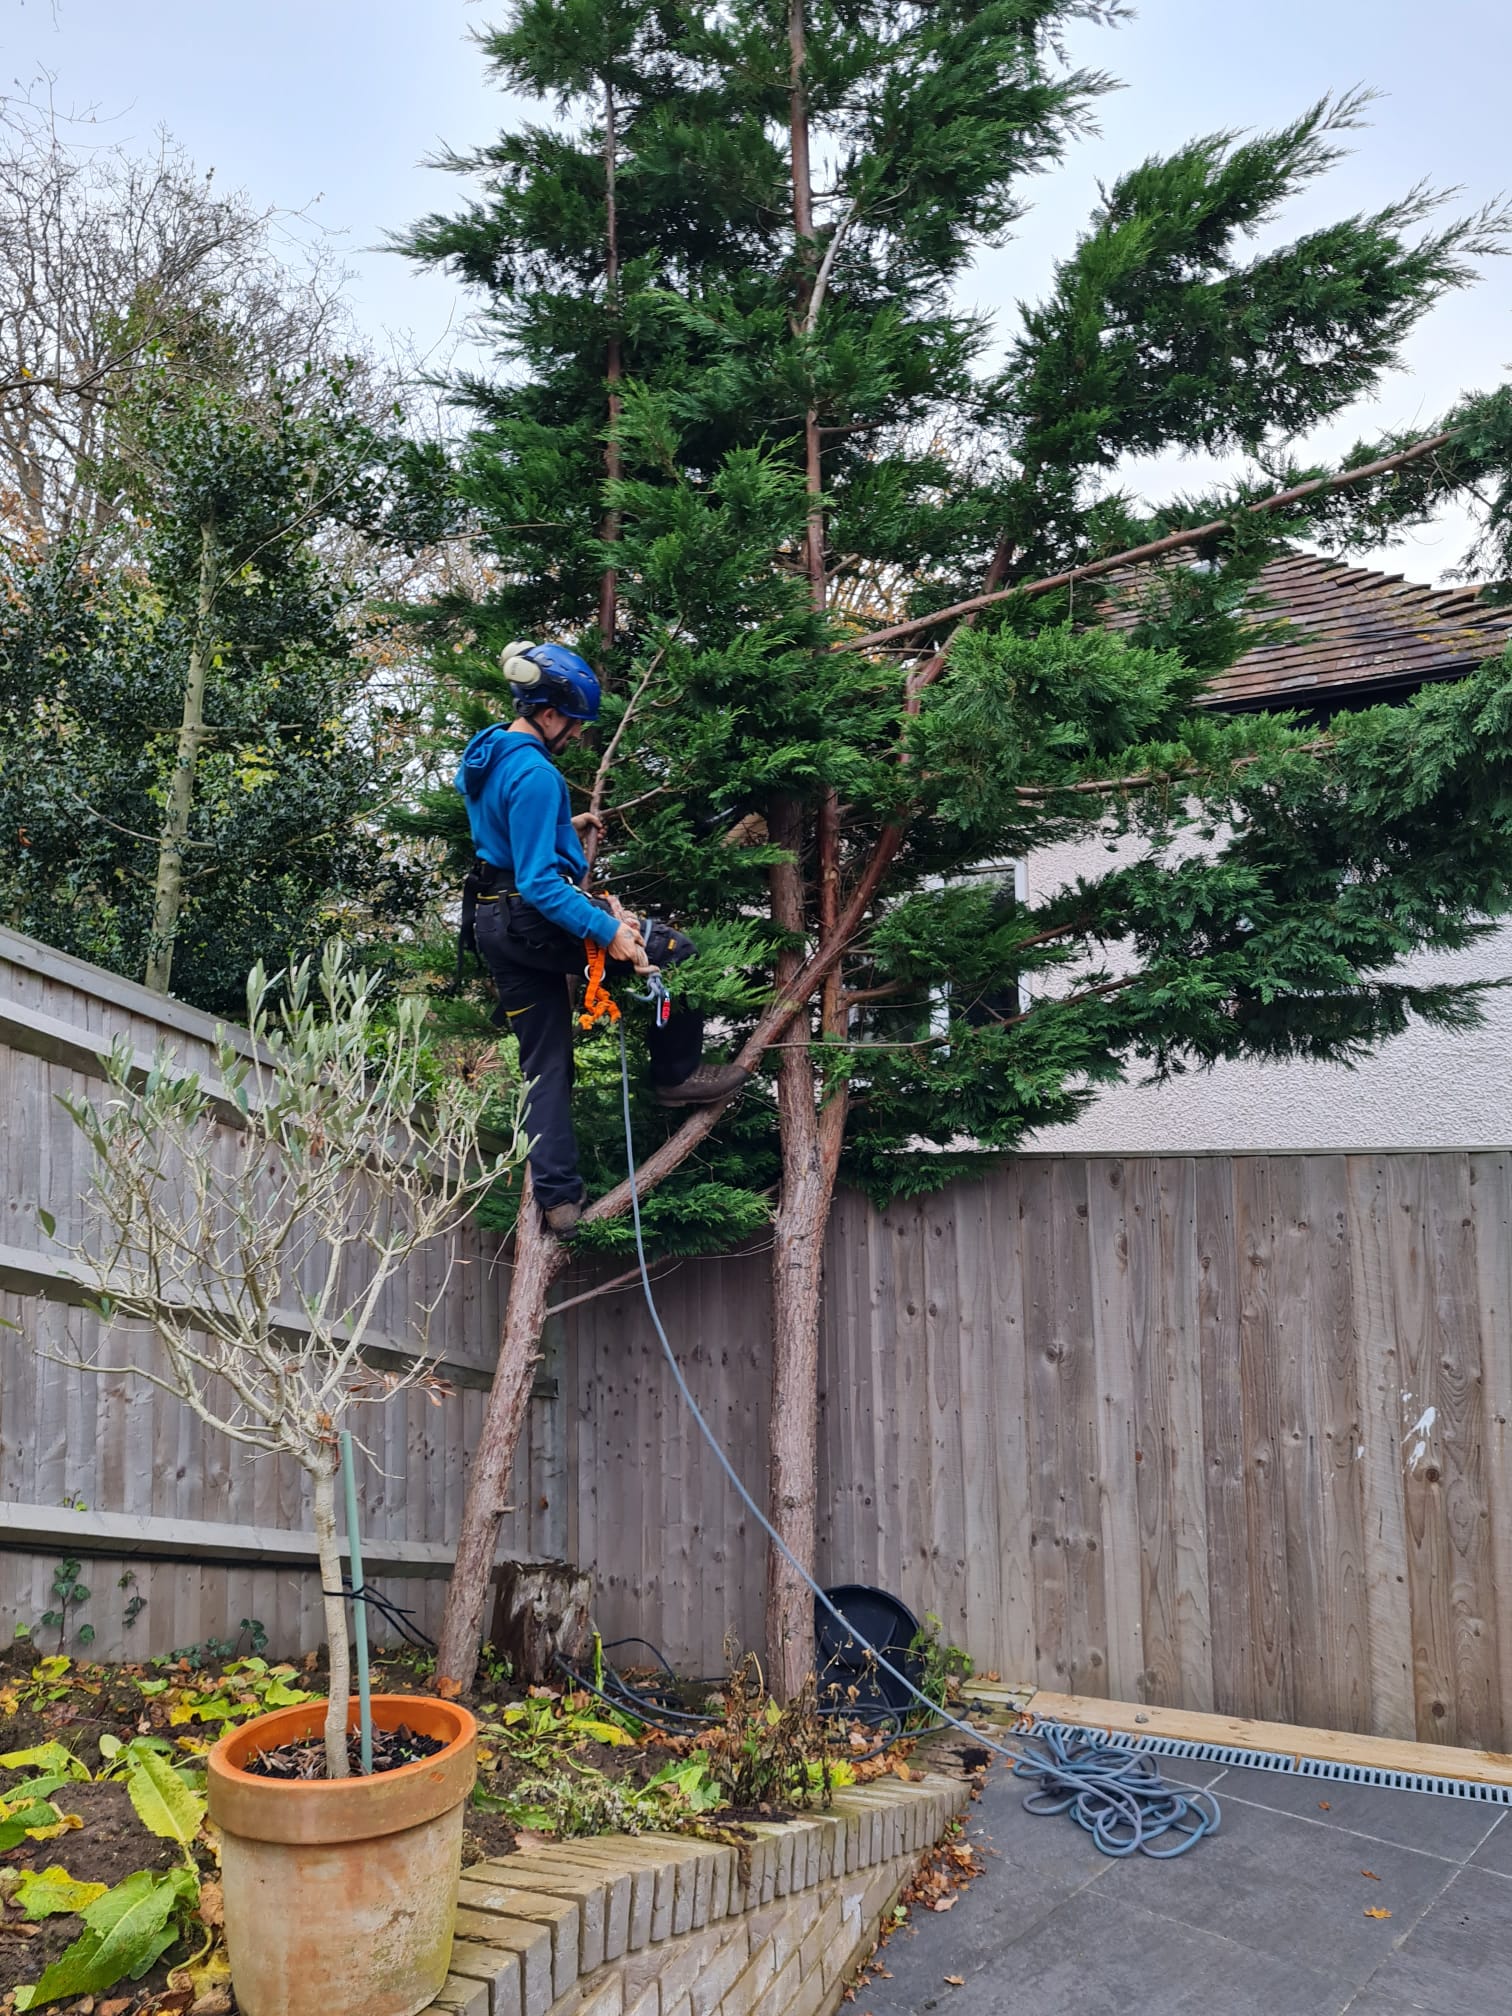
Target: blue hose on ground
{"points": [[1114, 1792], [1109, 1789]]}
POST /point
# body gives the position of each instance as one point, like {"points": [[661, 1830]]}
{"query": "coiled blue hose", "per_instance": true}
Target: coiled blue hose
{"points": [[1114, 1792]]}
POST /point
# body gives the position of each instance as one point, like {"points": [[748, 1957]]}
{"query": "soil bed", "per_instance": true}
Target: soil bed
{"points": [[189, 1705]]}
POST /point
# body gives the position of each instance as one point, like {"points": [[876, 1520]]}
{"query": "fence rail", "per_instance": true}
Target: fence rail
{"points": [[1214, 1432]]}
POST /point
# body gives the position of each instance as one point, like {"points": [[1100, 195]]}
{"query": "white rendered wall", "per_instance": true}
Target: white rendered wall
{"points": [[1428, 1088]]}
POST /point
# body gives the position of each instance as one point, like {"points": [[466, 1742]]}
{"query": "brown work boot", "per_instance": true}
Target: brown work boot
{"points": [[562, 1219], [706, 1086]]}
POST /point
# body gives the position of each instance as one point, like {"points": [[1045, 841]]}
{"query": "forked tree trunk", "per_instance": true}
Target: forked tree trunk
{"points": [[168, 895], [337, 1645], [538, 1259]]}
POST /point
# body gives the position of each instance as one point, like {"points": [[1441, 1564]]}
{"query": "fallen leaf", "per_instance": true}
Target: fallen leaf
{"points": [[208, 1976], [955, 1980], [943, 1904], [116, 2005], [212, 1909], [1376, 1912], [1370, 1873], [1322, 1805]]}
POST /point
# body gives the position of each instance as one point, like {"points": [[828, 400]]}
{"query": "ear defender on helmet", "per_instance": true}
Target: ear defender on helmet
{"points": [[549, 675], [518, 667]]}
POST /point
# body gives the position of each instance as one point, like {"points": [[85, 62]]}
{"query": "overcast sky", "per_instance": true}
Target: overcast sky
{"points": [[343, 100]]}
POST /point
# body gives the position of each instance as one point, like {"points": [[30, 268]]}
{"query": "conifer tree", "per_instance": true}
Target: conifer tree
{"points": [[742, 446]]}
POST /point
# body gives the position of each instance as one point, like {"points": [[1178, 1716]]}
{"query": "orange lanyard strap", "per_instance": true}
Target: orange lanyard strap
{"points": [[598, 1003]]}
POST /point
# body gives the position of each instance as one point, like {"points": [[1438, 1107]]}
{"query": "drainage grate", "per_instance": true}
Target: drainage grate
{"points": [[1405, 1781], [1307, 1767]]}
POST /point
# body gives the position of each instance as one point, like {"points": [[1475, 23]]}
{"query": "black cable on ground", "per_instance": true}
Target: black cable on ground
{"points": [[1148, 1810]]}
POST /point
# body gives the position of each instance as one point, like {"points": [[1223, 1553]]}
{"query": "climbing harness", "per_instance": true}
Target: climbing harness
{"points": [[1117, 1795]]}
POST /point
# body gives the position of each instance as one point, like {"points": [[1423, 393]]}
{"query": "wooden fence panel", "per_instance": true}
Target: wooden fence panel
{"points": [[105, 1457]]}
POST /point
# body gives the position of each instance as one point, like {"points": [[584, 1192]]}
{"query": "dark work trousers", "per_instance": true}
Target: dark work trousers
{"points": [[536, 1006]]}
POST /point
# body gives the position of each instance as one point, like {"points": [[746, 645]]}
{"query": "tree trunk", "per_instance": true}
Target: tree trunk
{"points": [[811, 1136], [338, 1704], [614, 368], [808, 1186], [810, 1157], [538, 1259], [168, 894]]}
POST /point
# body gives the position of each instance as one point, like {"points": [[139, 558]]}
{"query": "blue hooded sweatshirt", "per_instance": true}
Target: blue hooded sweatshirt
{"points": [[518, 810]]}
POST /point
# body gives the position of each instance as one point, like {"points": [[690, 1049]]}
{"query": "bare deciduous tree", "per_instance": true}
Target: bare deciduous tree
{"points": [[103, 256], [345, 1163]]}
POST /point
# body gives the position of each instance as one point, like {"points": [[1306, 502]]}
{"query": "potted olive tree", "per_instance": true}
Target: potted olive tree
{"points": [[324, 1155]]}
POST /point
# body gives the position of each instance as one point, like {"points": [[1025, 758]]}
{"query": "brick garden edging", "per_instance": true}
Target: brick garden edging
{"points": [[660, 1925]]}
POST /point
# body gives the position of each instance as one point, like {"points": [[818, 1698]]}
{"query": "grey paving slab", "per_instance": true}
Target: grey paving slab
{"points": [[1267, 1919], [1495, 1852], [1458, 1957], [1428, 1821], [1032, 1867], [1189, 1771], [1097, 1956], [1275, 1883]]}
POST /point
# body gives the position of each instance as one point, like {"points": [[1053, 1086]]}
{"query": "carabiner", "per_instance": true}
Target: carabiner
{"points": [[656, 997]]}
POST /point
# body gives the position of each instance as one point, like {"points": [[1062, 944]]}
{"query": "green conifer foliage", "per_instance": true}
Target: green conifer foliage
{"points": [[732, 377]]}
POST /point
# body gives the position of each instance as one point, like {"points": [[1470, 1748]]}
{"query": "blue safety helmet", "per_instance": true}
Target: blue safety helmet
{"points": [[549, 675]]}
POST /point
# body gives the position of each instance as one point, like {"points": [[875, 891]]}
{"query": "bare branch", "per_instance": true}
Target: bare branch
{"points": [[1154, 549]]}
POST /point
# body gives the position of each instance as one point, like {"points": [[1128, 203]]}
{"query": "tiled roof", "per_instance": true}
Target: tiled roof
{"points": [[1354, 629]]}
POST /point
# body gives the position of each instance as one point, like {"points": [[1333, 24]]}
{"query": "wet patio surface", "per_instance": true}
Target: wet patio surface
{"points": [[1267, 1919]]}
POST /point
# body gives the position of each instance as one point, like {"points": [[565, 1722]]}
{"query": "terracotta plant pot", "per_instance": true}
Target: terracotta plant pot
{"points": [[341, 1894]]}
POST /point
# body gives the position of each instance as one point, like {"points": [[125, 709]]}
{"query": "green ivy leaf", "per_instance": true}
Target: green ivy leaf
{"points": [[164, 1803]]}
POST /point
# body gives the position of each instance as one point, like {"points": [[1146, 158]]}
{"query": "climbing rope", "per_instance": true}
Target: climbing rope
{"points": [[1111, 1790]]}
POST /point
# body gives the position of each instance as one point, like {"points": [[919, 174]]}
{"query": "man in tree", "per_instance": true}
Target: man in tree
{"points": [[534, 924]]}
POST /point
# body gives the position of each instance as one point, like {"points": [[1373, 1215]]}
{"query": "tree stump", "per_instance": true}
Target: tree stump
{"points": [[542, 1615]]}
